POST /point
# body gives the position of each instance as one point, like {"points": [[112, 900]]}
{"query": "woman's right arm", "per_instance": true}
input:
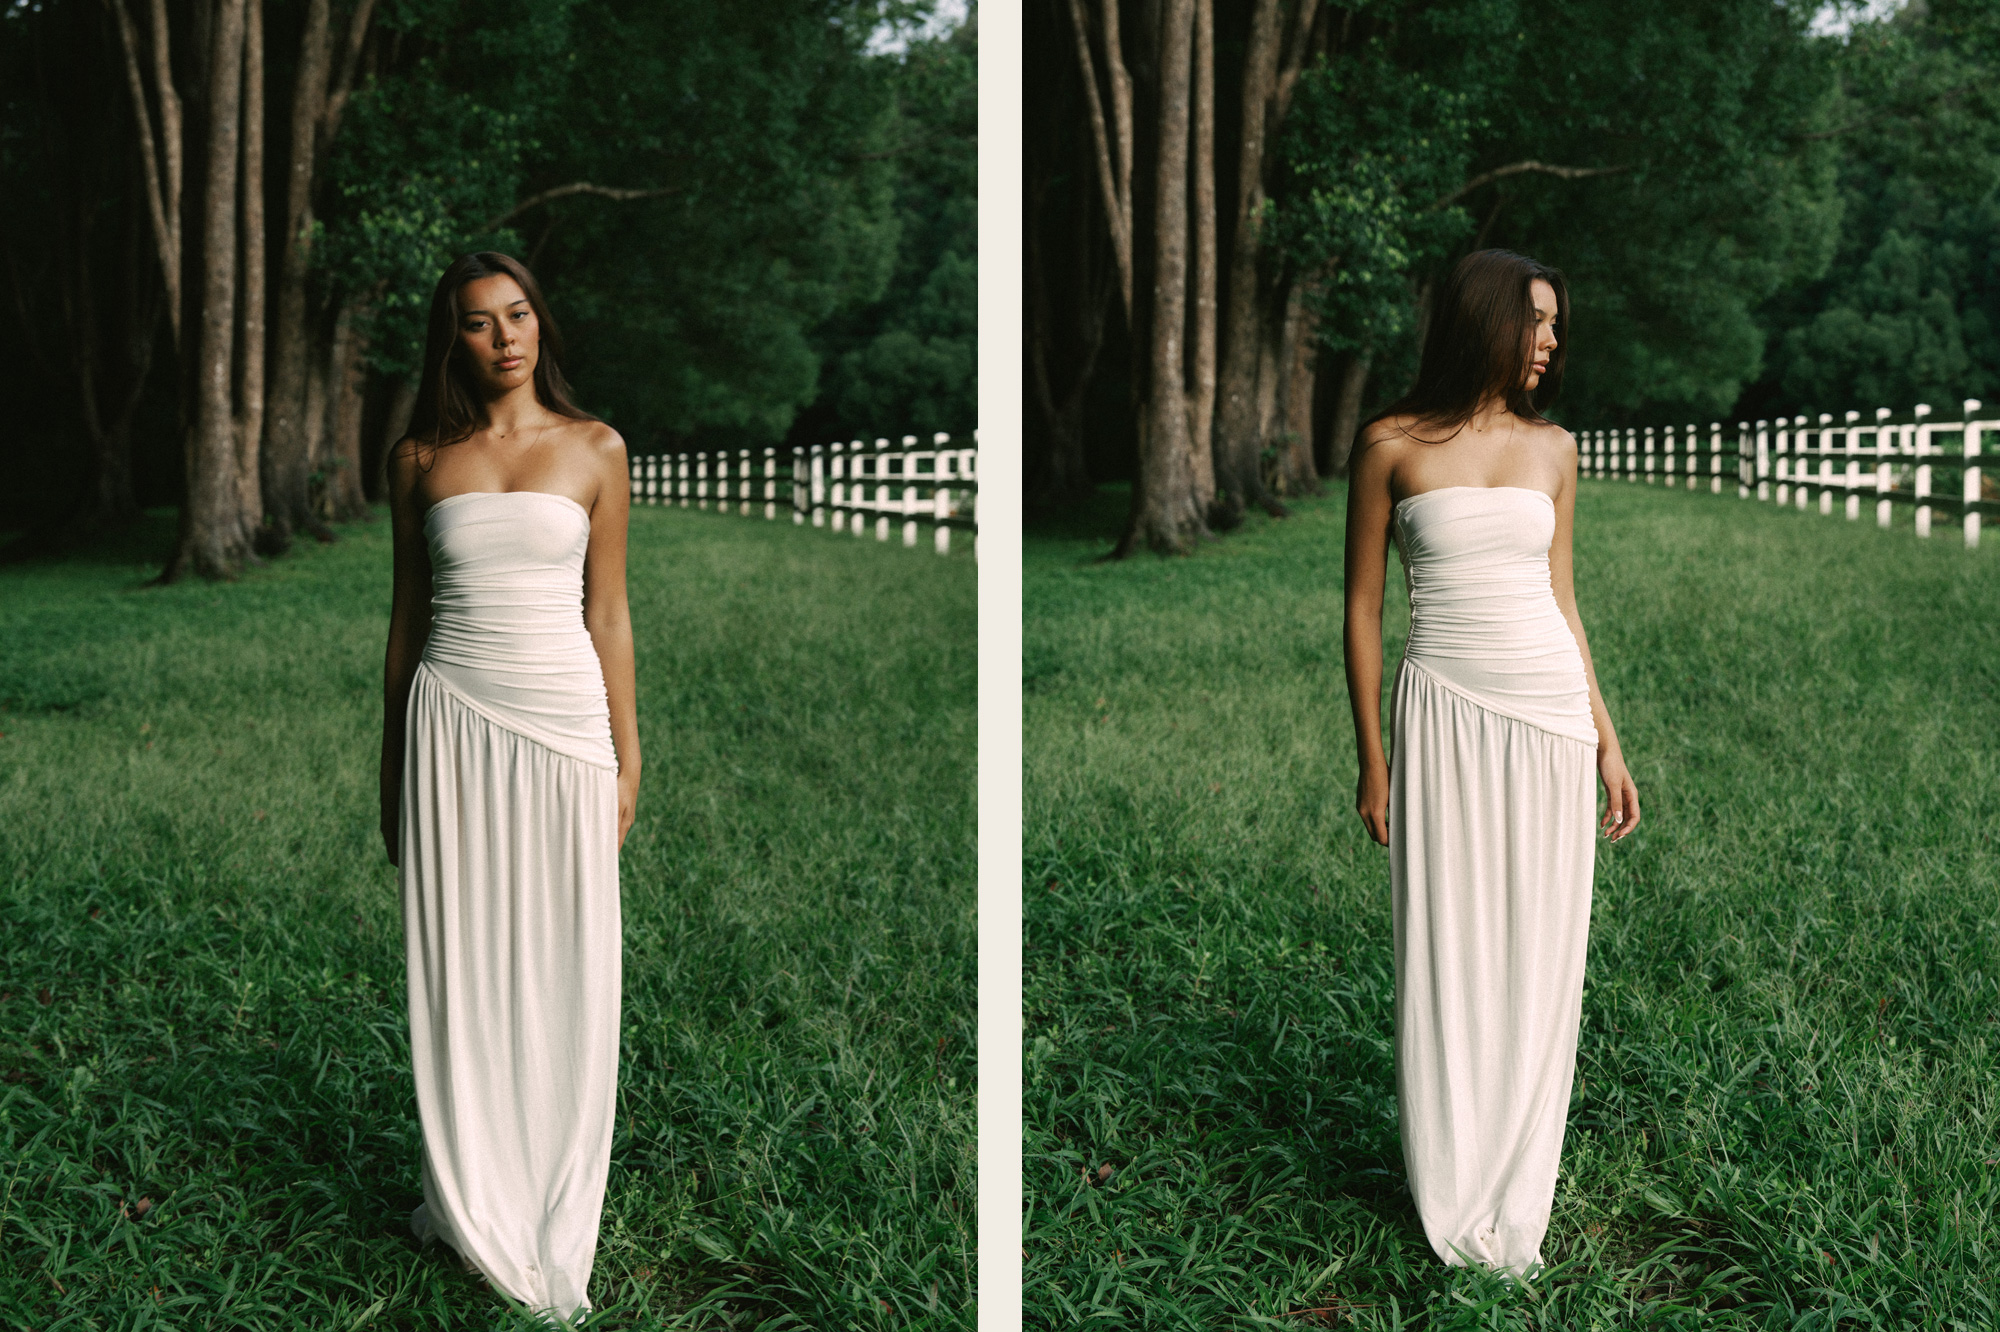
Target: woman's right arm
{"points": [[409, 629], [1369, 508]]}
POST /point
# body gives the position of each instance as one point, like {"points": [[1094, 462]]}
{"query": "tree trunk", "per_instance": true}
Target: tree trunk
{"points": [[1347, 410], [292, 431], [214, 539], [1201, 395], [1237, 439], [1164, 515], [251, 297], [1296, 474], [347, 379], [1065, 480]]}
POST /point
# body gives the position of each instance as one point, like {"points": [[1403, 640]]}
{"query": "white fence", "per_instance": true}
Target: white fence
{"points": [[849, 487], [1898, 459]]}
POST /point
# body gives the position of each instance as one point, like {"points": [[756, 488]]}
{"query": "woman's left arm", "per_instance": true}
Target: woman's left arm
{"points": [[608, 616], [1621, 813]]}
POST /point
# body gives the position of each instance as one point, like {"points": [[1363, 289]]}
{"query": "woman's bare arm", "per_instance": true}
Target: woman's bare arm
{"points": [[1621, 814], [607, 613], [409, 629], [1369, 510]]}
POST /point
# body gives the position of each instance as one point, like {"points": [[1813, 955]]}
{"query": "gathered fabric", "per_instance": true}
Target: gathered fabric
{"points": [[509, 871], [1491, 855]]}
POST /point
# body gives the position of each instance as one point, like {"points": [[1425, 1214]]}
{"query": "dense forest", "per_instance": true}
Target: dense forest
{"points": [[755, 224], [1236, 211]]}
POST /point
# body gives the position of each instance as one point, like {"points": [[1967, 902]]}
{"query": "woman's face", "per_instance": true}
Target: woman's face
{"points": [[1542, 341], [498, 336]]}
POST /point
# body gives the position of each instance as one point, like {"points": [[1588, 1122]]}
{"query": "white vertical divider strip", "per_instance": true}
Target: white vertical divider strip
{"points": [[997, 547]]}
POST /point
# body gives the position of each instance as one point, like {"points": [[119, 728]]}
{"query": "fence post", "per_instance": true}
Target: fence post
{"points": [[1885, 477], [800, 496], [909, 503], [1972, 493], [770, 484], [1923, 442], [1825, 477], [1763, 460], [941, 499], [1649, 455], [838, 501], [881, 491], [1791, 441], [1853, 466]]}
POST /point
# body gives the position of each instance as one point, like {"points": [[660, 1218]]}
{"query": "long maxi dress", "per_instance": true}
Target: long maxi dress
{"points": [[510, 898], [1491, 851]]}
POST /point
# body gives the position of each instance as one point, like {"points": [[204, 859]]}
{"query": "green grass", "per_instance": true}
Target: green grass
{"points": [[1788, 1108], [202, 976]]}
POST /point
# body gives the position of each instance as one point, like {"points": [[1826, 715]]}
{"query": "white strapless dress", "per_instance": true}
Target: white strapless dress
{"points": [[1492, 808], [510, 898]]}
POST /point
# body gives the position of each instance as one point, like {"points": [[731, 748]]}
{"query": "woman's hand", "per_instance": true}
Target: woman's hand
{"points": [[1371, 800], [1621, 806], [392, 823], [628, 801]]}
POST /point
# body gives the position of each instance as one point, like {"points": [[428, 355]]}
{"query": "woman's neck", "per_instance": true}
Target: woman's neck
{"points": [[1492, 414], [515, 409]]}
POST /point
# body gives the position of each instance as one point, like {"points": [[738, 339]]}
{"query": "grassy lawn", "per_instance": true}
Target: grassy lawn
{"points": [[1788, 1107], [201, 966]]}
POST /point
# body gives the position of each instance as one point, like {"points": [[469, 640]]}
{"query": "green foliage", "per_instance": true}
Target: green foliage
{"points": [[1369, 150], [201, 964], [1788, 1090], [1910, 309], [908, 360], [1709, 202], [809, 228]]}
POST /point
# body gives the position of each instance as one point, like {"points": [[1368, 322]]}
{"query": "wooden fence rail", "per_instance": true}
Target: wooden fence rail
{"points": [[1898, 458], [844, 486]]}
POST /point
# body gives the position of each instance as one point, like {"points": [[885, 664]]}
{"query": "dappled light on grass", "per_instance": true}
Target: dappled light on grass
{"points": [[202, 989], [1788, 1095]]}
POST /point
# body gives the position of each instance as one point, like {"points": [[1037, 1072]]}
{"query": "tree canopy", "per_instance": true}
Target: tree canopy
{"points": [[753, 223], [1759, 209]]}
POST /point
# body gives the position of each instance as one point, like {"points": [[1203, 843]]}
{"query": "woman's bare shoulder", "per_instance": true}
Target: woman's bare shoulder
{"points": [[1560, 443], [1387, 437]]}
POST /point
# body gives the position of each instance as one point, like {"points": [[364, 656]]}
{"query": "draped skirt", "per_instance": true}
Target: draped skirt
{"points": [[1491, 853], [510, 906]]}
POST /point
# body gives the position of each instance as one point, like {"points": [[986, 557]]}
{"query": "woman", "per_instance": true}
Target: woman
{"points": [[1499, 724], [510, 772]]}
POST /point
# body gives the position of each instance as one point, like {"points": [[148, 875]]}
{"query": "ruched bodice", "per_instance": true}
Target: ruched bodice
{"points": [[507, 633], [1483, 615]]}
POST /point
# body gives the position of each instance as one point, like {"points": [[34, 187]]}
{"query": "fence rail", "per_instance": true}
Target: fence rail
{"points": [[850, 487], [1897, 458]]}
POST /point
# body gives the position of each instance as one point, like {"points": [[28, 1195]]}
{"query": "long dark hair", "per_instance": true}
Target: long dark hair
{"points": [[1478, 343], [448, 409]]}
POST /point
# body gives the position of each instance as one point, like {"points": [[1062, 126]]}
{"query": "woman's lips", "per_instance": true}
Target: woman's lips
{"points": [[511, 363]]}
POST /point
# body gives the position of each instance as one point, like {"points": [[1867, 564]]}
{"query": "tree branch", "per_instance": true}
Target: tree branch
{"points": [[564, 191], [336, 101], [1121, 244], [1517, 168], [163, 236]]}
